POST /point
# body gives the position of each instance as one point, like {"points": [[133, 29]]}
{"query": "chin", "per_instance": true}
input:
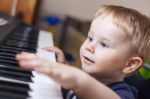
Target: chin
{"points": [[87, 69]]}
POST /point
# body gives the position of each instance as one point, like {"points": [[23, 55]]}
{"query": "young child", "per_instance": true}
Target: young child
{"points": [[117, 45]]}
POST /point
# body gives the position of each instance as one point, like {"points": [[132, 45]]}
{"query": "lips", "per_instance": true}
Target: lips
{"points": [[88, 60]]}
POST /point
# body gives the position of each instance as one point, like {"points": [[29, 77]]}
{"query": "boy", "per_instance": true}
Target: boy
{"points": [[117, 45]]}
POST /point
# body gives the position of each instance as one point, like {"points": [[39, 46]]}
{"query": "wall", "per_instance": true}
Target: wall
{"points": [[85, 9]]}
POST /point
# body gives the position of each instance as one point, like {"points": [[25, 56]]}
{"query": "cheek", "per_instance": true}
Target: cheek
{"points": [[109, 59], [82, 48]]}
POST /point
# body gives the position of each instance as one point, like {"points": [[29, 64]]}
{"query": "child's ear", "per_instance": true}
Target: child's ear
{"points": [[133, 64]]}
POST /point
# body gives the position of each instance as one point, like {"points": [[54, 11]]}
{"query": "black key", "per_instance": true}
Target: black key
{"points": [[11, 62], [10, 65], [11, 94], [20, 39], [11, 75], [5, 95], [20, 46], [23, 39], [25, 43], [16, 69], [15, 85], [19, 49], [9, 51], [8, 58], [7, 54]]}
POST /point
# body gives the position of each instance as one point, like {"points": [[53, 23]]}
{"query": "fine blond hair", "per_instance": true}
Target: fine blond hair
{"points": [[133, 23]]}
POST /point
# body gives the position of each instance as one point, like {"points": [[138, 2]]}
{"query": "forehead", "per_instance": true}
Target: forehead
{"points": [[104, 26]]}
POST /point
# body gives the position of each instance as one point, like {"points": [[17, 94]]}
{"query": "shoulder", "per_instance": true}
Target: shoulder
{"points": [[124, 90]]}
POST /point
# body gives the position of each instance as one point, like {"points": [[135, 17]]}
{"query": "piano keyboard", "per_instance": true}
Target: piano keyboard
{"points": [[15, 82]]}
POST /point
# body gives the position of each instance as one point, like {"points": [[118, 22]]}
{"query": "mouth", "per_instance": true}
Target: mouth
{"points": [[89, 60]]}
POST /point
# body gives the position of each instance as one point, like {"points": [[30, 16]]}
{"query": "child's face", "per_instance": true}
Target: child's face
{"points": [[106, 50]]}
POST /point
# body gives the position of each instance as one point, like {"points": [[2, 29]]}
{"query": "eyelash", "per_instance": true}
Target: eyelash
{"points": [[90, 39], [104, 44], [101, 43]]}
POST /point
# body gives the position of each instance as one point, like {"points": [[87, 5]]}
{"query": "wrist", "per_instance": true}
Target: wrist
{"points": [[81, 81]]}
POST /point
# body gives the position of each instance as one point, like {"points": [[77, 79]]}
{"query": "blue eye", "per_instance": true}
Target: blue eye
{"points": [[90, 39], [104, 45]]}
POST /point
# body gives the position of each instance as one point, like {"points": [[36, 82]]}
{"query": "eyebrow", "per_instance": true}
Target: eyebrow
{"points": [[90, 33]]}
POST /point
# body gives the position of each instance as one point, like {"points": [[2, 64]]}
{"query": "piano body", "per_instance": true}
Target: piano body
{"points": [[15, 82]]}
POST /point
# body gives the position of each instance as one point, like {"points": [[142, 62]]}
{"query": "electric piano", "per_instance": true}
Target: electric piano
{"points": [[16, 82]]}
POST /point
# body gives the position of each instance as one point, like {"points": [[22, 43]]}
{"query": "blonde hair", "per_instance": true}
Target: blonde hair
{"points": [[133, 23]]}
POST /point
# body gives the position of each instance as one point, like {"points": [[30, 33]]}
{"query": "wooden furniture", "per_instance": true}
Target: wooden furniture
{"points": [[25, 9], [82, 26], [74, 32]]}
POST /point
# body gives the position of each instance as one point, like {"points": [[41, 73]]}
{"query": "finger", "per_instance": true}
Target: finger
{"points": [[44, 69], [48, 66], [30, 64], [52, 49], [60, 57], [59, 53], [25, 56], [48, 48], [51, 71]]}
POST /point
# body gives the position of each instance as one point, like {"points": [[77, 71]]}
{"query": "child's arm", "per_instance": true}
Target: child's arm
{"points": [[68, 77]]}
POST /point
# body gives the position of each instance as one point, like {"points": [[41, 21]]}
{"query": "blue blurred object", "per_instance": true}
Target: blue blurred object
{"points": [[52, 20]]}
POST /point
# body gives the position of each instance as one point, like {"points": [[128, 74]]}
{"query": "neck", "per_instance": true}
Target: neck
{"points": [[108, 80]]}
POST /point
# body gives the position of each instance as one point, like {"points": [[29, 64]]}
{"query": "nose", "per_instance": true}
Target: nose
{"points": [[91, 48]]}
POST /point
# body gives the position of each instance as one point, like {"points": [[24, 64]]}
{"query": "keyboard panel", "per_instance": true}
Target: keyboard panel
{"points": [[15, 82]]}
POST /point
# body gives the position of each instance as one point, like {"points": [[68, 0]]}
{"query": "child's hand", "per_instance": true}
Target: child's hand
{"points": [[66, 76], [59, 54]]}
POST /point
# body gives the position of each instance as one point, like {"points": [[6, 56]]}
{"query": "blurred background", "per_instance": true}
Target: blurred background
{"points": [[67, 20]]}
